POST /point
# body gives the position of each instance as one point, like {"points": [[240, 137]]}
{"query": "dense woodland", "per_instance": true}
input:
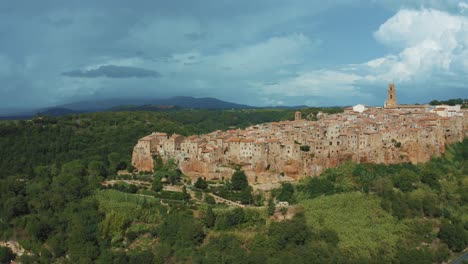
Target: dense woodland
{"points": [[54, 205], [458, 101]]}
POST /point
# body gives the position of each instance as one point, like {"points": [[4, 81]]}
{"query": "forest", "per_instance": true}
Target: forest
{"points": [[54, 203], [458, 101]]}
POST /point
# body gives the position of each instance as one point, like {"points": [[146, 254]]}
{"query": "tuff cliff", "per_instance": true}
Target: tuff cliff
{"points": [[290, 150]]}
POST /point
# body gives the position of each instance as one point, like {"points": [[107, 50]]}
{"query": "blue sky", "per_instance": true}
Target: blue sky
{"points": [[264, 52]]}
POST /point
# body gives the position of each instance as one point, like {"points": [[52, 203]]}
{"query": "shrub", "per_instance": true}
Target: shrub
{"points": [[289, 232], [454, 236], [157, 185], [209, 217], [287, 193], [315, 187], [201, 184], [6, 255], [229, 219], [239, 180], [209, 199]]}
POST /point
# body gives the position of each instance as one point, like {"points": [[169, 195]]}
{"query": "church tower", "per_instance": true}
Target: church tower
{"points": [[391, 98], [297, 116]]}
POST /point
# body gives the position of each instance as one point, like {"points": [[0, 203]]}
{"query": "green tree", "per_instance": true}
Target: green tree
{"points": [[230, 219], [413, 255], [406, 180], [6, 255], [96, 168], [455, 236], [114, 159], [157, 185], [209, 199], [287, 193], [224, 249], [271, 206], [245, 195], [430, 178], [73, 169], [141, 257], [315, 187], [158, 163], [173, 175], [289, 232], [239, 180], [131, 168], [181, 229], [201, 184], [209, 218], [185, 194]]}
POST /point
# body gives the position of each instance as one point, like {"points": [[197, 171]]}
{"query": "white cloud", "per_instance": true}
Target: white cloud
{"points": [[463, 6], [429, 46], [431, 41], [410, 27]]}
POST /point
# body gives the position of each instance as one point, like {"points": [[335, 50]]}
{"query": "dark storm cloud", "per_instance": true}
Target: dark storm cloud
{"points": [[113, 71], [50, 50]]}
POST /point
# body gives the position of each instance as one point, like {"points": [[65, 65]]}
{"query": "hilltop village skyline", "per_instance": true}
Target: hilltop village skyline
{"points": [[290, 150]]}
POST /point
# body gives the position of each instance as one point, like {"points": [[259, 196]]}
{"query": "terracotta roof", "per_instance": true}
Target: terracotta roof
{"points": [[207, 150], [147, 138], [410, 106]]}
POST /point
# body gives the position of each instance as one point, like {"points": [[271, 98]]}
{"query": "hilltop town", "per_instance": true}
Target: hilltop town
{"points": [[289, 150]]}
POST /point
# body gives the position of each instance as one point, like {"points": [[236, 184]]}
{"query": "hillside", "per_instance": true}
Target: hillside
{"points": [[125, 104], [179, 101], [58, 207]]}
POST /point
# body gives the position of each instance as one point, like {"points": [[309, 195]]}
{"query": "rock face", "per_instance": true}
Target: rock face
{"points": [[142, 158], [290, 150]]}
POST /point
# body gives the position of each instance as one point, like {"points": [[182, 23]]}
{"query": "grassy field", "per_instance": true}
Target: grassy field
{"points": [[363, 227]]}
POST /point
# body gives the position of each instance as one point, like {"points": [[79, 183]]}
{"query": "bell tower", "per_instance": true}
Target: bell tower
{"points": [[391, 97], [297, 116]]}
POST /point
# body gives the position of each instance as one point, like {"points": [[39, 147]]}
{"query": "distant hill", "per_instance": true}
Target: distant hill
{"points": [[145, 108], [178, 101], [125, 104], [58, 111], [286, 107]]}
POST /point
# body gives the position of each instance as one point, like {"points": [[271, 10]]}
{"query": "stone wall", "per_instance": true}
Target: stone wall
{"points": [[272, 152]]}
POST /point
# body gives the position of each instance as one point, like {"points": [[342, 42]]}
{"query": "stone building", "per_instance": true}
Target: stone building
{"points": [[391, 97], [297, 116], [277, 151]]}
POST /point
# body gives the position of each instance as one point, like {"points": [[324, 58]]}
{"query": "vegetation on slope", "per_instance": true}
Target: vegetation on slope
{"points": [[458, 101], [109, 137], [53, 204], [364, 229]]}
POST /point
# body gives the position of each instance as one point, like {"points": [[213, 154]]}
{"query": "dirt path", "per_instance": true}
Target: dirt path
{"points": [[219, 199], [14, 246], [135, 182]]}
